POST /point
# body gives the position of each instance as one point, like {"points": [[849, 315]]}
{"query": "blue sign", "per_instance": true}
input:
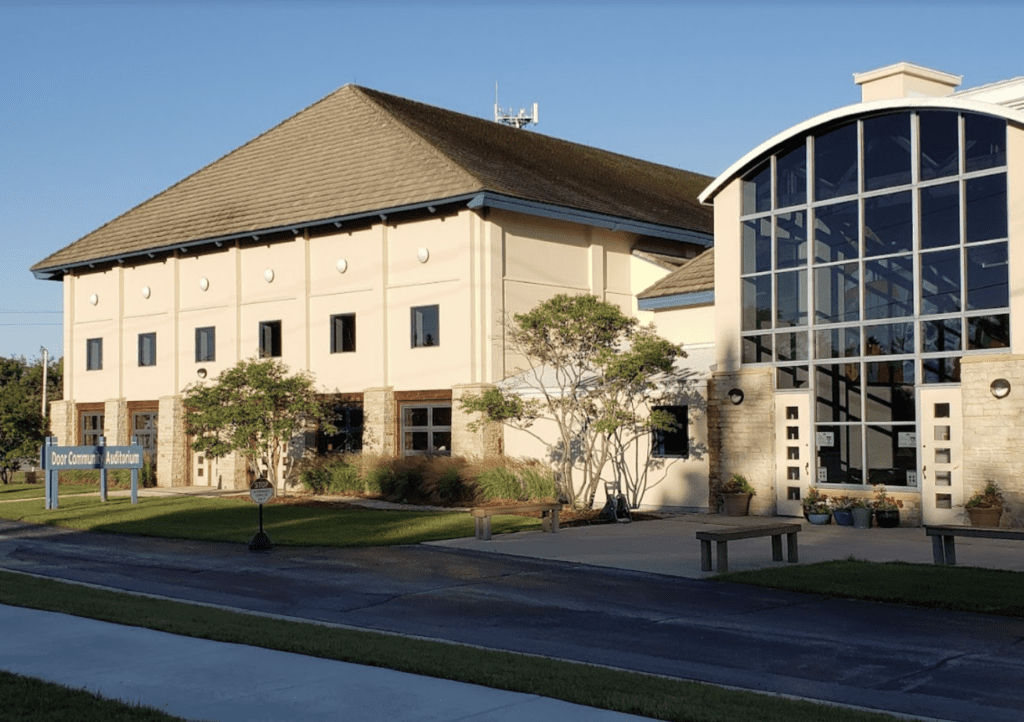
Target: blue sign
{"points": [[65, 458]]}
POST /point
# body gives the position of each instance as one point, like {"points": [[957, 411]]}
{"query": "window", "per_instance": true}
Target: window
{"points": [[426, 326], [91, 428], [144, 427], [147, 349], [206, 346], [270, 339], [347, 419], [343, 333], [674, 442], [427, 429], [94, 354]]}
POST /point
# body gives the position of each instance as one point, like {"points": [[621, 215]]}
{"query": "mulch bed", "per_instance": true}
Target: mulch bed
{"points": [[568, 517]]}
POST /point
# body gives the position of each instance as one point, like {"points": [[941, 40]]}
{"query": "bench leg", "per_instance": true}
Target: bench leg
{"points": [[792, 557], [938, 556], [723, 556], [705, 555], [949, 550], [483, 527], [554, 521], [777, 547]]}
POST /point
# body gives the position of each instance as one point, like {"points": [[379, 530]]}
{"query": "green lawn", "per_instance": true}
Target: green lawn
{"points": [[14, 491], [965, 589], [235, 520], [629, 692]]}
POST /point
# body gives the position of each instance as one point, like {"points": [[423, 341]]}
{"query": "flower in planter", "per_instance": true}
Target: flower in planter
{"points": [[883, 502], [988, 498], [737, 484], [843, 502], [816, 502]]}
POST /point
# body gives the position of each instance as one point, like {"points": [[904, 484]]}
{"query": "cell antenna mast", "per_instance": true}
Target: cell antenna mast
{"points": [[516, 121]]}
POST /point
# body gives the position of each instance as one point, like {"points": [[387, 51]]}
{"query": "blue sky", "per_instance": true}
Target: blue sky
{"points": [[105, 104]]}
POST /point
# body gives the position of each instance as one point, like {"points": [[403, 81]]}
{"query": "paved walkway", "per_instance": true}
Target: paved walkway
{"points": [[200, 679]]}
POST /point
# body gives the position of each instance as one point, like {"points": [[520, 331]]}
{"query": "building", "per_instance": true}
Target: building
{"points": [[869, 300], [374, 241]]}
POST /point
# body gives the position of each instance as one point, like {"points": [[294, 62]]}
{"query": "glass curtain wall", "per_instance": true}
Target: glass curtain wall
{"points": [[874, 256]]}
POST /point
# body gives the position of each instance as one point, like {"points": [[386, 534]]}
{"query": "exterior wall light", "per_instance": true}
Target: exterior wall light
{"points": [[201, 373], [735, 396], [342, 265], [94, 299], [1000, 388], [268, 275], [423, 254], [204, 283], [145, 292]]}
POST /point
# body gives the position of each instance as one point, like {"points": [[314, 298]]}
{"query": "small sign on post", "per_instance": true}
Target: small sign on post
{"points": [[261, 491]]}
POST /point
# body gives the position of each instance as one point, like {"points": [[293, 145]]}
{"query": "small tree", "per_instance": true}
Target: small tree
{"points": [[22, 425], [254, 408], [592, 371]]}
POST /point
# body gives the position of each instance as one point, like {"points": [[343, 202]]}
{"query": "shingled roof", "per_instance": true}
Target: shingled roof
{"points": [[696, 276], [359, 151]]}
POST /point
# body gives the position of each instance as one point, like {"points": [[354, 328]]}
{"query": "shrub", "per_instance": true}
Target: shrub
{"points": [[518, 479], [345, 478], [445, 480]]}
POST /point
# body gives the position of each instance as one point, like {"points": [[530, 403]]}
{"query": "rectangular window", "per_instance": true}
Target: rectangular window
{"points": [[144, 428], [94, 354], [343, 333], [427, 429], [347, 420], [206, 347], [147, 349], [673, 442], [426, 326], [270, 339], [91, 428]]}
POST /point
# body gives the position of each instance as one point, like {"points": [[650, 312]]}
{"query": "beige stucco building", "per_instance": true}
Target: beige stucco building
{"points": [[868, 301], [378, 243]]}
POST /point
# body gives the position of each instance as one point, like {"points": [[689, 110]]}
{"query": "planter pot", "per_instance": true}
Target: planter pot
{"points": [[843, 517], [984, 517], [736, 504], [820, 519], [861, 518], [887, 518]]}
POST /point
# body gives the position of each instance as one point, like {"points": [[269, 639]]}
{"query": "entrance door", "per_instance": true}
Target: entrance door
{"points": [[941, 442], [792, 452]]}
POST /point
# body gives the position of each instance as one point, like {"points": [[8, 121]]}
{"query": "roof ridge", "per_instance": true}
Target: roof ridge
{"points": [[408, 130]]}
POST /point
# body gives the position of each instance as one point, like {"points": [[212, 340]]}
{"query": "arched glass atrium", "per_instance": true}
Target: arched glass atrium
{"points": [[874, 257]]}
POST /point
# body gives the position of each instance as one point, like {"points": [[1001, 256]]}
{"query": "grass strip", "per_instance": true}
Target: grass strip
{"points": [[235, 520], [14, 492], [629, 692], [26, 699], [962, 589]]}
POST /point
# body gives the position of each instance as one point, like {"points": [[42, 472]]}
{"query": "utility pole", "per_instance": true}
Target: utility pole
{"points": [[45, 364]]}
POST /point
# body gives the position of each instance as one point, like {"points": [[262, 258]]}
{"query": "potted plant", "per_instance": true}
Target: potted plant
{"points": [[735, 495], [887, 509], [817, 507], [842, 510], [986, 506], [862, 513]]}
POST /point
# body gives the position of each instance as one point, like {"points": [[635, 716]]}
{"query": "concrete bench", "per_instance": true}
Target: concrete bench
{"points": [[944, 538], [483, 514], [722, 539]]}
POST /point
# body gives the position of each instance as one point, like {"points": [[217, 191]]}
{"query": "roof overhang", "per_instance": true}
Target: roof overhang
{"points": [[850, 112], [676, 300], [471, 200]]}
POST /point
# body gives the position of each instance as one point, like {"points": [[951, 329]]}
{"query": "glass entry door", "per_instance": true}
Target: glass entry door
{"points": [[792, 452], [941, 440]]}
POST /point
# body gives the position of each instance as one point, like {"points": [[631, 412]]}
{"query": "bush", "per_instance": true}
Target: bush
{"points": [[516, 479]]}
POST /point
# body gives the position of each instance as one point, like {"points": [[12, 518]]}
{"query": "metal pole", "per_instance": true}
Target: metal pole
{"points": [[45, 364]]}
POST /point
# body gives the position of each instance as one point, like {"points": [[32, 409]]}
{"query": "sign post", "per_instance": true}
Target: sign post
{"points": [[261, 491]]}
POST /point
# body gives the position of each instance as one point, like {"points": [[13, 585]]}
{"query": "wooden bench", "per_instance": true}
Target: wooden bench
{"points": [[483, 514], [722, 538], [944, 538]]}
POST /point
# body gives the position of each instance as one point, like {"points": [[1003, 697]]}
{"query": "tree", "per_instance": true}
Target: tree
{"points": [[254, 408], [593, 372], [23, 427]]}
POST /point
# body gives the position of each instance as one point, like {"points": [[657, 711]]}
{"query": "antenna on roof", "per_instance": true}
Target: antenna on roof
{"points": [[516, 121]]}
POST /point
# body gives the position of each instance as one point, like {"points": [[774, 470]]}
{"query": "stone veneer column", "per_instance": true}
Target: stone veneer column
{"points": [[171, 443], [379, 421], [993, 429], [62, 422], [741, 438], [486, 441], [115, 421]]}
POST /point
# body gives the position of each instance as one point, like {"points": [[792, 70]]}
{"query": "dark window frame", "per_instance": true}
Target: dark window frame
{"points": [[94, 354], [674, 444], [206, 336], [343, 333], [147, 349], [270, 333], [427, 340]]}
